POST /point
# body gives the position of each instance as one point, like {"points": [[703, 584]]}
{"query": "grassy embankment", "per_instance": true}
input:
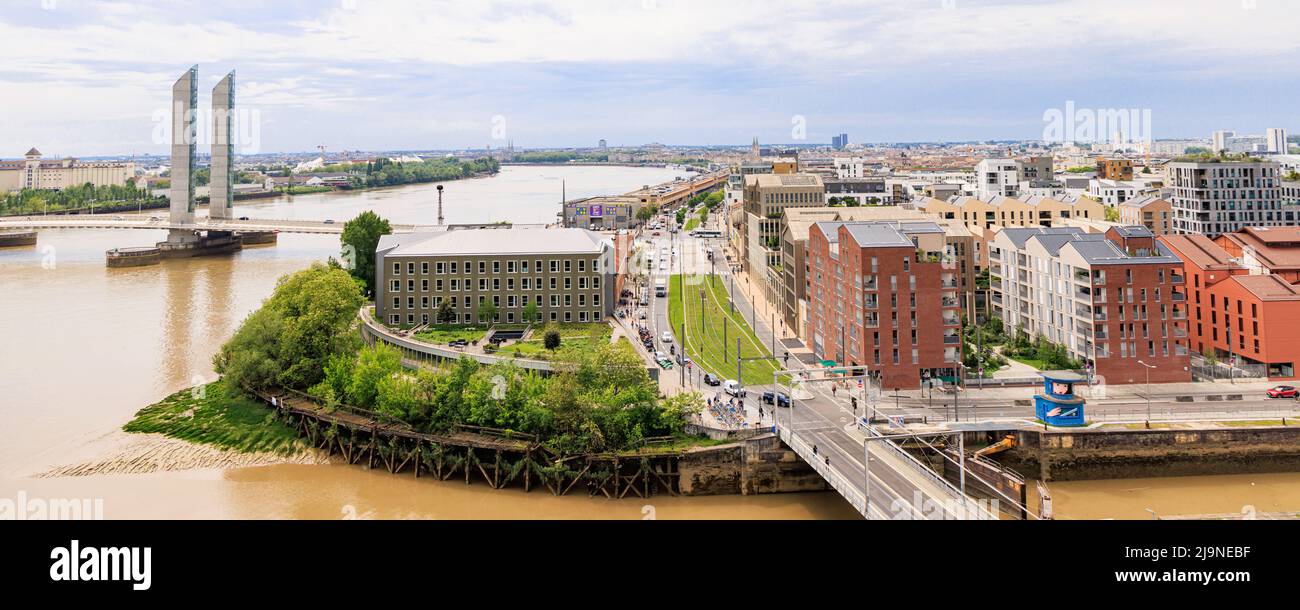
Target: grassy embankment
{"points": [[213, 415], [705, 339]]}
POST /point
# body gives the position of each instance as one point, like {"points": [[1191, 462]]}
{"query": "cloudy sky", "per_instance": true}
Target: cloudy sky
{"points": [[88, 77]]}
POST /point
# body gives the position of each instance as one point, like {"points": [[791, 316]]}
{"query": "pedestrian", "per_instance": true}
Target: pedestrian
{"points": [[835, 391]]}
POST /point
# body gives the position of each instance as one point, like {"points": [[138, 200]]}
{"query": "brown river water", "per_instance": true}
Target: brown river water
{"points": [[83, 347]]}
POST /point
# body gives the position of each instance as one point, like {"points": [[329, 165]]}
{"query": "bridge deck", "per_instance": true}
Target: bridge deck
{"points": [[896, 486]]}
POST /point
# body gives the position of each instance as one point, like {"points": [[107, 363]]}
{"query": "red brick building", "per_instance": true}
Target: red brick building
{"points": [[884, 295], [1243, 304]]}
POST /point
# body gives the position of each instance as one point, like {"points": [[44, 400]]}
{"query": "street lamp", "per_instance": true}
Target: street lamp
{"points": [[1148, 368]]}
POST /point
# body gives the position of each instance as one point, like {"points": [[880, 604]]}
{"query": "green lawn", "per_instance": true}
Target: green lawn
{"points": [[214, 415], [705, 340], [692, 224], [442, 335], [1034, 362], [573, 337]]}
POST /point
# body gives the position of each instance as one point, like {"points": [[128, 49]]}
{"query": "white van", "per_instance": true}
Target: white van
{"points": [[733, 388]]}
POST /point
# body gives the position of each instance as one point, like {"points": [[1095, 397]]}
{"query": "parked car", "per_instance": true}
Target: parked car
{"points": [[244, 218], [733, 388], [329, 222], [1283, 391], [711, 380], [780, 400]]}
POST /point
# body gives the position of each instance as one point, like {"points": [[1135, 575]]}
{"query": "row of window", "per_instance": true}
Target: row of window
{"points": [[424, 318], [511, 301], [584, 283], [453, 267]]}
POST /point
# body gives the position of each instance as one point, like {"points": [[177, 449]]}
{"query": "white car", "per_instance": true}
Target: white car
{"points": [[733, 388], [667, 337]]}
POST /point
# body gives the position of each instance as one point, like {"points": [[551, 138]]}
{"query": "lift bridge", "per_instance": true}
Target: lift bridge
{"points": [[864, 463]]}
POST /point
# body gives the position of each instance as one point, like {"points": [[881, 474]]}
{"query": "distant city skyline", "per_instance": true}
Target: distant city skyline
{"points": [[86, 77]]}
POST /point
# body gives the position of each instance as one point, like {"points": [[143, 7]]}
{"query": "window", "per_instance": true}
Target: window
{"points": [[555, 266], [397, 268], [410, 268], [424, 285]]}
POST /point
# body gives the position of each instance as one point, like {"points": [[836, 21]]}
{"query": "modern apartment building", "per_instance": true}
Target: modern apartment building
{"points": [[862, 191], [798, 223], [984, 217], [1117, 301], [33, 172], [1216, 197], [1148, 211], [1275, 141], [568, 274], [997, 177], [766, 198], [1115, 169], [1037, 169], [1242, 313], [882, 296]]}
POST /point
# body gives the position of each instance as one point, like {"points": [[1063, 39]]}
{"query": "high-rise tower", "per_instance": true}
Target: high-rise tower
{"points": [[222, 200], [185, 99]]}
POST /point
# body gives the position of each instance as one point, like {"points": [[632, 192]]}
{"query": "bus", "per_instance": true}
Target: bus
{"points": [[705, 234]]}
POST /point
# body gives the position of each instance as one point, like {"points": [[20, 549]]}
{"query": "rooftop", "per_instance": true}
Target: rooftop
{"points": [[503, 242]]}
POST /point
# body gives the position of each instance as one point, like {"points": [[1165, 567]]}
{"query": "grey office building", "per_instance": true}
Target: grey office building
{"points": [[568, 274]]}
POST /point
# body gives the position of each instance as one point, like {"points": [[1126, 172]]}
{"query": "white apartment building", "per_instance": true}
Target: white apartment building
{"points": [[1213, 198], [1275, 140], [997, 177], [1113, 192], [1108, 298]]}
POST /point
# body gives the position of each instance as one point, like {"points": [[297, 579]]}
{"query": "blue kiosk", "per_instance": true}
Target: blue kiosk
{"points": [[1057, 405]]}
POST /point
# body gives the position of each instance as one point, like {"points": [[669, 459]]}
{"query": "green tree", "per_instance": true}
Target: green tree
{"points": [[445, 312], [487, 313], [532, 313], [311, 317], [373, 366], [1112, 214], [360, 240], [551, 340]]}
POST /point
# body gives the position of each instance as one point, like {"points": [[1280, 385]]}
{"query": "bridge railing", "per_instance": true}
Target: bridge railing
{"points": [[968, 505]]}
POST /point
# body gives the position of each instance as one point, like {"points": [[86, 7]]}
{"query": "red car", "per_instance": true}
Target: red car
{"points": [[1283, 391]]}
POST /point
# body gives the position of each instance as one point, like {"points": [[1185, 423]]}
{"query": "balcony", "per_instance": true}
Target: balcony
{"points": [[1180, 332], [1102, 335], [948, 284], [871, 322], [869, 284], [997, 298], [1178, 279], [1099, 315], [952, 339], [1179, 314], [951, 321], [949, 303], [1179, 297]]}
